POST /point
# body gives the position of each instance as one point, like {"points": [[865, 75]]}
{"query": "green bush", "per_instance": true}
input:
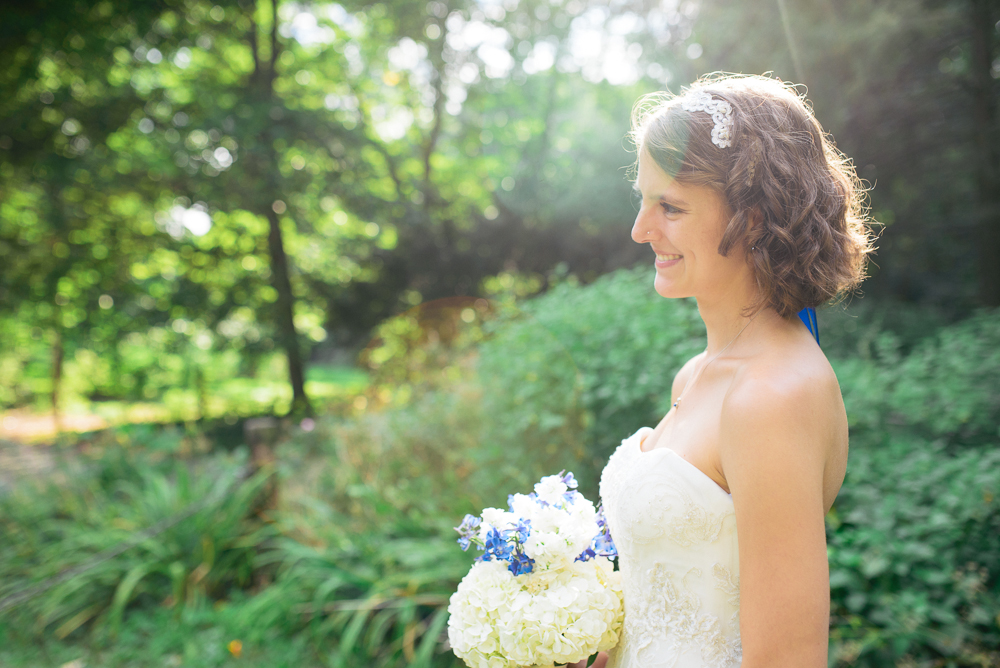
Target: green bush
{"points": [[375, 597], [914, 544], [945, 387], [603, 355], [195, 637]]}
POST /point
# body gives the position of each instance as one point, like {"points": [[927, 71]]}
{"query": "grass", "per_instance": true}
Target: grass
{"points": [[339, 574], [159, 637]]}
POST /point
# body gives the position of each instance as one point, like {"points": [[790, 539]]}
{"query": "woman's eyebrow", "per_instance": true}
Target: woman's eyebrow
{"points": [[675, 201]]}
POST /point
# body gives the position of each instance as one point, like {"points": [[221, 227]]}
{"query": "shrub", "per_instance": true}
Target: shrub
{"points": [[946, 387], [603, 356], [914, 543]]}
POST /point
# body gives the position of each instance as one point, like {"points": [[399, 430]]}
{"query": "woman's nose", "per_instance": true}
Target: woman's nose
{"points": [[641, 229]]}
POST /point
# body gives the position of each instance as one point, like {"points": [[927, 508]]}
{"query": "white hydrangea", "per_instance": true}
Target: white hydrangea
{"points": [[550, 489], [555, 616], [522, 505], [559, 533]]}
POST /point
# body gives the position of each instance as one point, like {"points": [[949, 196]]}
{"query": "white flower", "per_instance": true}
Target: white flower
{"points": [[522, 505], [550, 489]]}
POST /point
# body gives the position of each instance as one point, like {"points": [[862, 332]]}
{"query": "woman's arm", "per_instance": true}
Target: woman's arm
{"points": [[774, 443]]}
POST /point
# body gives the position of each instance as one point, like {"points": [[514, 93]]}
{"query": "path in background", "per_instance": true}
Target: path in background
{"points": [[28, 427]]}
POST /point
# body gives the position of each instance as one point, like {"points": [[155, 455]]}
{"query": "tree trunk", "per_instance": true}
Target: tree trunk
{"points": [[984, 111], [286, 314], [262, 84]]}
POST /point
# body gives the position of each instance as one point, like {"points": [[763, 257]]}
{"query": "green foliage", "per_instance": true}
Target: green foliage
{"points": [[914, 546], [945, 387], [399, 162], [163, 375], [56, 525], [424, 348], [372, 597], [359, 559], [602, 357]]}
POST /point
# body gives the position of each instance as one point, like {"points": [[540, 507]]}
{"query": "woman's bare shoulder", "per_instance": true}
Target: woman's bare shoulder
{"points": [[792, 384], [784, 412]]}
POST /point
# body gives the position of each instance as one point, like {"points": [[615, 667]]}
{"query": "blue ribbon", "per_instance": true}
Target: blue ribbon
{"points": [[808, 316]]}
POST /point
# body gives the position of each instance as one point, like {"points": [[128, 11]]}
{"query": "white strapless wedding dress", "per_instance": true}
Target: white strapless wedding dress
{"points": [[675, 531]]}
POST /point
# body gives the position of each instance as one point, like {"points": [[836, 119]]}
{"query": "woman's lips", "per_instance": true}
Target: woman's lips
{"points": [[667, 259]]}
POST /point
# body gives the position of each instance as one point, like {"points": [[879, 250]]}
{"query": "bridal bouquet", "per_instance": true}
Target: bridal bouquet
{"points": [[544, 591]]}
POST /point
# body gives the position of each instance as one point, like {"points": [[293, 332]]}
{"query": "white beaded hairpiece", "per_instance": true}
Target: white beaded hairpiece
{"points": [[720, 110]]}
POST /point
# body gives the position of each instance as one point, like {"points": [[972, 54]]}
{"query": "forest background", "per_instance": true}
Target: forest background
{"points": [[383, 222]]}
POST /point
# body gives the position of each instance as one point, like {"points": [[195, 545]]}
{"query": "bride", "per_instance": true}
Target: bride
{"points": [[718, 511]]}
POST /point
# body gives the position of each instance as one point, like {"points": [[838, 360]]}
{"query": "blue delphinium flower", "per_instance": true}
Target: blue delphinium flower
{"points": [[468, 530], [522, 531], [568, 479], [603, 544], [508, 544], [534, 497], [571, 497], [497, 546], [521, 563]]}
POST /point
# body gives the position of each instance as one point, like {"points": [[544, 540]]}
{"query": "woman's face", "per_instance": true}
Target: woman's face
{"points": [[684, 223]]}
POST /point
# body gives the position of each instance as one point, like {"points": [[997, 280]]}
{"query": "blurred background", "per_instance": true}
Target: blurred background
{"points": [[287, 288]]}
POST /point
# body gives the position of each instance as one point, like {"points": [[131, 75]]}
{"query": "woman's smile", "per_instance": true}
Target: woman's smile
{"points": [[664, 260]]}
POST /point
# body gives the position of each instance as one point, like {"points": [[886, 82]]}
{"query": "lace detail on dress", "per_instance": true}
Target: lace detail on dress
{"points": [[729, 585], [669, 610], [675, 531]]}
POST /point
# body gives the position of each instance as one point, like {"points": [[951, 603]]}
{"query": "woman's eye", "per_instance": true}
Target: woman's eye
{"points": [[670, 208]]}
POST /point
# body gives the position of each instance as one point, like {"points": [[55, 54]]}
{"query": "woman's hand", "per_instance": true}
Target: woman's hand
{"points": [[599, 662]]}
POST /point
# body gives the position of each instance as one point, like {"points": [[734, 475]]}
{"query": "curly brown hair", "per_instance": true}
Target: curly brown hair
{"points": [[797, 206]]}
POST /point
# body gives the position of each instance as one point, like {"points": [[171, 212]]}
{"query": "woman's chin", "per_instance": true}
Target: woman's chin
{"points": [[667, 289]]}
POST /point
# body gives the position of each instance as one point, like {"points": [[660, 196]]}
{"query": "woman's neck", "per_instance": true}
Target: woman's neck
{"points": [[726, 319]]}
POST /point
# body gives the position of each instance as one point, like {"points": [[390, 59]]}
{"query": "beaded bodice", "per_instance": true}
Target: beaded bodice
{"points": [[675, 530]]}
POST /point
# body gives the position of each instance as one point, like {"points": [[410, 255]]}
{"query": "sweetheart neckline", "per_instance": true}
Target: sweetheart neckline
{"points": [[681, 458]]}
